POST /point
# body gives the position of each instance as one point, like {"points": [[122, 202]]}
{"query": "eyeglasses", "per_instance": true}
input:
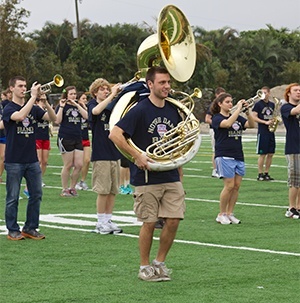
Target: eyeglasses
{"points": [[43, 99]]}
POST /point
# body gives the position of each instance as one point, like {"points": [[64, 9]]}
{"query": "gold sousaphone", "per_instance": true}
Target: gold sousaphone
{"points": [[174, 45]]}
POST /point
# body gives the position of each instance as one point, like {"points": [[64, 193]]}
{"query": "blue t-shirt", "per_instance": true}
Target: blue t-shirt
{"points": [[145, 124], [70, 126], [292, 125], [42, 130], [84, 129], [21, 135], [2, 105], [102, 147], [265, 112], [228, 141]]}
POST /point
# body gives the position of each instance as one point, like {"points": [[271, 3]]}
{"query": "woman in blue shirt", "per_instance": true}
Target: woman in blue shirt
{"points": [[229, 156]]}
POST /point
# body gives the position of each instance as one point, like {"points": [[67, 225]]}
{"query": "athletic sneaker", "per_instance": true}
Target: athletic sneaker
{"points": [[223, 219], [73, 192], [260, 177], [84, 185], [81, 185], [114, 227], [149, 274], [233, 219], [66, 193], [26, 193], [214, 174], [32, 234], [159, 223], [122, 190], [162, 271], [15, 235], [78, 186], [292, 213], [267, 177], [128, 190], [43, 184], [104, 229]]}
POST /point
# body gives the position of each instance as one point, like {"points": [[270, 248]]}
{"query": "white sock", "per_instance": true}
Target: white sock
{"points": [[155, 262], [108, 217], [101, 218]]}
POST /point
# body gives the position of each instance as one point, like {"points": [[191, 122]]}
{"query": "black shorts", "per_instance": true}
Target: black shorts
{"points": [[69, 145], [265, 144], [124, 162]]}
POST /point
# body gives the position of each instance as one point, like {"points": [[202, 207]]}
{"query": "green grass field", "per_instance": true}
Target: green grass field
{"points": [[256, 261]]}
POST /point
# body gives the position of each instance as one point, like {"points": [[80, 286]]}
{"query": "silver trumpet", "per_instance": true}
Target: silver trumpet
{"points": [[250, 102]]}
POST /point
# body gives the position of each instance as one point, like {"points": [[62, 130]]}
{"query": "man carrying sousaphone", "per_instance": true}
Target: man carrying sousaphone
{"points": [[158, 194]]}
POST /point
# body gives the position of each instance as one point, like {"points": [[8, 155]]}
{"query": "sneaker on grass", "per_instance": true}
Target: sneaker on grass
{"points": [[260, 177], [149, 274], [162, 271], [103, 229], [114, 227], [223, 219], [267, 177], [292, 213], [78, 186], [73, 192], [26, 193], [233, 219], [66, 193], [84, 185]]}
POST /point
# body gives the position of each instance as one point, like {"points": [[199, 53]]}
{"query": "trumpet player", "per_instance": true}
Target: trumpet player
{"points": [[20, 119], [229, 154], [290, 113], [262, 113]]}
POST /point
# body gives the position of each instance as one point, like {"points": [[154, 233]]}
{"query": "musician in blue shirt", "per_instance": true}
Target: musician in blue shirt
{"points": [[229, 154], [158, 194], [263, 112], [20, 122], [105, 156], [290, 113]]}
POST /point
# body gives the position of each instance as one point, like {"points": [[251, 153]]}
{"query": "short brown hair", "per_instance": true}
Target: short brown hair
{"points": [[12, 81]]}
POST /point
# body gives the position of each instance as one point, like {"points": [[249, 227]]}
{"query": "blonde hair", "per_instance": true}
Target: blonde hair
{"points": [[94, 87]]}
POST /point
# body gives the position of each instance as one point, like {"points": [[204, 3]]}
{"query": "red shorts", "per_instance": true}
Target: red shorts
{"points": [[42, 144], [86, 143]]}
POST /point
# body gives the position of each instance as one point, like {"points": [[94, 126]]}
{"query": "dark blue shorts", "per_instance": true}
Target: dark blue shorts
{"points": [[265, 144]]}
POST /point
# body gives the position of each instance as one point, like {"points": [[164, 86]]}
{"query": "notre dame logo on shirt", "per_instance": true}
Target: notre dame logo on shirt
{"points": [[25, 129], [237, 130]]}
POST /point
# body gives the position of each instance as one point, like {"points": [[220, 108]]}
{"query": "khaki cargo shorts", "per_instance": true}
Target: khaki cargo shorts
{"points": [[155, 201]]}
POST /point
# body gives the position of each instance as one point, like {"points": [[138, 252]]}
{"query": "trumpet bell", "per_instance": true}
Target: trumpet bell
{"points": [[174, 45], [58, 80]]}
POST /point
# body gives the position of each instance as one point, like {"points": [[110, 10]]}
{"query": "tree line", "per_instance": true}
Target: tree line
{"points": [[241, 62]]}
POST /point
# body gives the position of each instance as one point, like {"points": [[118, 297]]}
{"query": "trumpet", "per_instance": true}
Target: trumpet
{"points": [[58, 81], [250, 102]]}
